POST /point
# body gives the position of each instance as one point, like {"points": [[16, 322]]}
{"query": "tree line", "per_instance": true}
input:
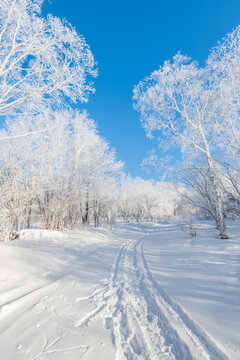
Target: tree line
{"points": [[57, 171]]}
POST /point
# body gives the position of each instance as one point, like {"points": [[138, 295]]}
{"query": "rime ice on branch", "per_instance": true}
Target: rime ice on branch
{"points": [[41, 59], [197, 108]]}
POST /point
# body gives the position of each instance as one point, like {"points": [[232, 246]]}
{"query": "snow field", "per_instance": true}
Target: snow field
{"points": [[66, 298]]}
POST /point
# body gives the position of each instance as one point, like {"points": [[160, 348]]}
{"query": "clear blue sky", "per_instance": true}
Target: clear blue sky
{"points": [[130, 39]]}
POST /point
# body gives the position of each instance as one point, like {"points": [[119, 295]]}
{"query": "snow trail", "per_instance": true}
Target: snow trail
{"points": [[174, 318], [144, 322], [140, 328]]}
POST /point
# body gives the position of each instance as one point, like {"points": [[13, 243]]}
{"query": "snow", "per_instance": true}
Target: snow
{"points": [[139, 291]]}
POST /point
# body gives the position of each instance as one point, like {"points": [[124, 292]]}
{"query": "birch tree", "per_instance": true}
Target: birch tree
{"points": [[179, 100]]}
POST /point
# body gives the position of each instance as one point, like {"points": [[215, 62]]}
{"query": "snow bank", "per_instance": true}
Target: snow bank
{"points": [[42, 235]]}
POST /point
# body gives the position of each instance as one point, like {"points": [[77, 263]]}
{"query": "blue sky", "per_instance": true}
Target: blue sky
{"points": [[130, 39]]}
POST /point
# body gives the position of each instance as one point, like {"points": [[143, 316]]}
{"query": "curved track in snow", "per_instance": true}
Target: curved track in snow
{"points": [[144, 322]]}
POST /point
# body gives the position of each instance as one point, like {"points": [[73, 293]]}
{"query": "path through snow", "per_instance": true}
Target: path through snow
{"points": [[126, 315]]}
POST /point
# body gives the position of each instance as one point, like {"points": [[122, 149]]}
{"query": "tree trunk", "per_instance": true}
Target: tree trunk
{"points": [[220, 221], [215, 191], [85, 218], [29, 217]]}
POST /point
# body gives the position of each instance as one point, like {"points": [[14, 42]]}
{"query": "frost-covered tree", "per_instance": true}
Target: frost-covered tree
{"points": [[98, 170], [41, 58], [56, 178], [179, 99], [147, 200], [224, 62]]}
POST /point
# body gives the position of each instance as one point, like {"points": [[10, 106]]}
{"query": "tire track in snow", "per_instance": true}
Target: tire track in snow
{"points": [[131, 316], [134, 324], [144, 322], [121, 318], [196, 339]]}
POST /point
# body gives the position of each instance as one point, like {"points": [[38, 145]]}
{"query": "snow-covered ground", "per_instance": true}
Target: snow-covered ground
{"points": [[136, 292]]}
